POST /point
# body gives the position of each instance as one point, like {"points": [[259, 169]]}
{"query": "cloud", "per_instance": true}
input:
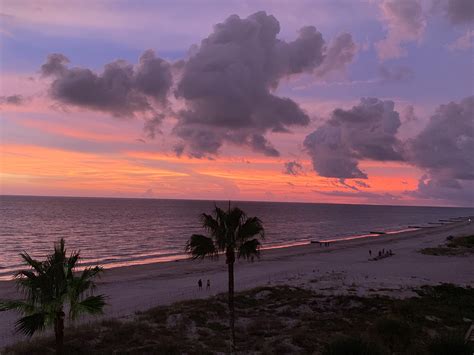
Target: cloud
{"points": [[367, 131], [465, 42], [446, 191], [12, 100], [460, 11], [338, 55], [225, 89], [405, 22], [122, 89], [395, 74], [358, 184], [443, 149], [292, 168], [409, 115], [366, 196], [228, 84]]}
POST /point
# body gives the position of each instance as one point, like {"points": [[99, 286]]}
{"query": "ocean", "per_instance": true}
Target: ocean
{"points": [[116, 232]]}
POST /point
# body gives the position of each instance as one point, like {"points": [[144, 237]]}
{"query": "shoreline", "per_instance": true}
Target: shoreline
{"points": [[159, 257], [299, 248], [342, 268]]}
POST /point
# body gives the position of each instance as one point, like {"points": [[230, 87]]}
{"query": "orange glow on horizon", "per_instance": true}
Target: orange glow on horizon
{"points": [[29, 169]]}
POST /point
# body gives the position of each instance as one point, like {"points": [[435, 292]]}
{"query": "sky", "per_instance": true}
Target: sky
{"points": [[325, 101]]}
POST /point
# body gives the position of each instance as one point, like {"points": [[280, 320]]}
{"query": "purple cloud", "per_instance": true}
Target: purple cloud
{"points": [[122, 89], [405, 22], [12, 100], [228, 83], [460, 11], [367, 131], [292, 168]]}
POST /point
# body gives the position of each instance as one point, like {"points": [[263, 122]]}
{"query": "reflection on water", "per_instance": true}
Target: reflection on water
{"points": [[116, 232]]}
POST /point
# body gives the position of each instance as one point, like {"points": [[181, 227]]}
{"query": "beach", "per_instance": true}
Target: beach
{"points": [[340, 268]]}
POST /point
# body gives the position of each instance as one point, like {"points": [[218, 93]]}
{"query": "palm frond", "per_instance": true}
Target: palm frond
{"points": [[71, 263], [249, 249], [89, 305], [35, 264], [250, 228], [79, 284], [200, 246], [209, 223], [17, 305], [30, 324]]}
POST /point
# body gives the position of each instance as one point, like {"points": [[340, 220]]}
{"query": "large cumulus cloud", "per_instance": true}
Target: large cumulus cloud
{"points": [[228, 84], [366, 131], [122, 89], [445, 146], [444, 150], [225, 90]]}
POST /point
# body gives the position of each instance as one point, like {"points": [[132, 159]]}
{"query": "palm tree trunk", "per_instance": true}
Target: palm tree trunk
{"points": [[230, 267], [59, 332]]}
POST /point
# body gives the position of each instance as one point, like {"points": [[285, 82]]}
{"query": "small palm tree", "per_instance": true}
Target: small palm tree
{"points": [[231, 233], [50, 287]]}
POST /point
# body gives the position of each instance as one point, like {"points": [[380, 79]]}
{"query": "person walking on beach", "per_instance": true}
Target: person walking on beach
{"points": [[200, 284], [208, 286]]}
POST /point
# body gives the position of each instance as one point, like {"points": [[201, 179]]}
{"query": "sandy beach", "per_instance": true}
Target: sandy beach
{"points": [[343, 267]]}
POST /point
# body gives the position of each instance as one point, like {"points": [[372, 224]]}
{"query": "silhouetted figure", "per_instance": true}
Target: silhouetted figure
{"points": [[200, 284], [370, 252], [380, 253], [208, 286]]}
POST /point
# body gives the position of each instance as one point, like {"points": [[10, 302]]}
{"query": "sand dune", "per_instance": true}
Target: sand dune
{"points": [[343, 267]]}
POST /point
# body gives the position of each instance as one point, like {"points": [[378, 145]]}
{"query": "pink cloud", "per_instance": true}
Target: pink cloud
{"points": [[405, 22]]}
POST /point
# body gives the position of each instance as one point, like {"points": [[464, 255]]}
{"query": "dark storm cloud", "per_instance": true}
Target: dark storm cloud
{"points": [[292, 168], [228, 84], [395, 74], [12, 100], [460, 11], [121, 89], [366, 131]]}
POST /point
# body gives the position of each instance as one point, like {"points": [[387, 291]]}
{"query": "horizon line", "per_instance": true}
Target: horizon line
{"points": [[225, 200]]}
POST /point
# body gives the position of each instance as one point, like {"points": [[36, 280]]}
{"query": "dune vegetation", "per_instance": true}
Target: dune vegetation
{"points": [[454, 246], [281, 320]]}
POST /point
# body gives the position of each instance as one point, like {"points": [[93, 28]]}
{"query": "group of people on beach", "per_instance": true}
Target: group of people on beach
{"points": [[208, 285], [381, 254]]}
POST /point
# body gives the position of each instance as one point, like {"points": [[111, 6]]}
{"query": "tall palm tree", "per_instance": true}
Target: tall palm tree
{"points": [[231, 233], [50, 288]]}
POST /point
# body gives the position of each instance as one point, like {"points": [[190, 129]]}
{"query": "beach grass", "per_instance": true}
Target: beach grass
{"points": [[454, 246], [281, 320]]}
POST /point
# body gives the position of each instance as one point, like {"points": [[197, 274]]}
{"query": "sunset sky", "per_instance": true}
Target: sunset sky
{"points": [[340, 101]]}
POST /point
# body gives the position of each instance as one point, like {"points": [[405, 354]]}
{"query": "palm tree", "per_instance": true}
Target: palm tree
{"points": [[230, 233], [50, 287]]}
